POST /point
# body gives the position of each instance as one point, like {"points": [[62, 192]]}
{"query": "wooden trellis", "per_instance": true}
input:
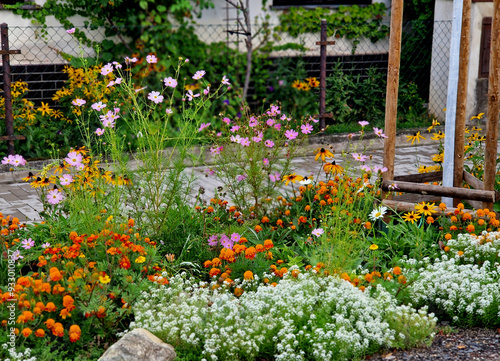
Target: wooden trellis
{"points": [[484, 194]]}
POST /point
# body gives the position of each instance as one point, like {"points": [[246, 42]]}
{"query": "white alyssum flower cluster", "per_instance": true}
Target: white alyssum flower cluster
{"points": [[469, 293], [18, 356], [484, 247], [321, 318]]}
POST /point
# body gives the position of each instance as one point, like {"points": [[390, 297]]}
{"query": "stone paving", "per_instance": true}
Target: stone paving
{"points": [[18, 199]]}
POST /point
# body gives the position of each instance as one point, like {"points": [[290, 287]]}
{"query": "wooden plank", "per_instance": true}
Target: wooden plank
{"points": [[6, 52], [475, 204], [13, 137], [472, 181], [325, 43], [462, 193], [408, 207], [420, 177], [391, 100], [493, 98], [463, 74]]}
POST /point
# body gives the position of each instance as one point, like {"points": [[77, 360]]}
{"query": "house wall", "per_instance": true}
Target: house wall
{"points": [[440, 64]]}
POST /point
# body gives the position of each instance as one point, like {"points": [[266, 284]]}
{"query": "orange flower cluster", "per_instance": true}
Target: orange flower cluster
{"points": [[462, 221], [371, 278], [8, 225]]}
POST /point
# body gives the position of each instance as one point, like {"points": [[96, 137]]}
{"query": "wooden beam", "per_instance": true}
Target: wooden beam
{"points": [[463, 75], [462, 193], [420, 177], [391, 100], [493, 99], [472, 181]]}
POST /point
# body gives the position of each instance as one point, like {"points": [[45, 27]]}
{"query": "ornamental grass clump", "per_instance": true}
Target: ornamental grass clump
{"points": [[304, 317]]}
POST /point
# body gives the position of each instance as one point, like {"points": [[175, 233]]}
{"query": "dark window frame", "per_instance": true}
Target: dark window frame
{"points": [[285, 4]]}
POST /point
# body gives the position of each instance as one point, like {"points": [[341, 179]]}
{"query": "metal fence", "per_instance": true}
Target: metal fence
{"points": [[424, 58]]}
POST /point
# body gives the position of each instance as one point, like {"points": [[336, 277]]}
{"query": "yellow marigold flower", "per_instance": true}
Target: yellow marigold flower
{"points": [[105, 279], [373, 247], [140, 259]]}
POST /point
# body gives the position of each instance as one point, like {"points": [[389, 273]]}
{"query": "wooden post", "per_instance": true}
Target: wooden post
{"points": [[391, 100], [463, 74], [493, 99]]}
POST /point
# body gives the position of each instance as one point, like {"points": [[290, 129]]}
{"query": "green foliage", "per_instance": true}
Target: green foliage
{"points": [[351, 22]]}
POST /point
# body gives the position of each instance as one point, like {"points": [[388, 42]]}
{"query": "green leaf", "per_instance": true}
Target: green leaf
{"points": [[143, 4]]}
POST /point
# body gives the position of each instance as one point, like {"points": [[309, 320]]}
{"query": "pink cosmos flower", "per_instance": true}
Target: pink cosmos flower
{"points": [[277, 126], [269, 143], [241, 177], [54, 196], [318, 232], [203, 126], [16, 255], [378, 169], [155, 97], [118, 80], [235, 138], [199, 74], [226, 242], [206, 91], [226, 120], [306, 128], [130, 60], [258, 138], [46, 245], [168, 111], [225, 80], [212, 240], [291, 134], [234, 128], [117, 66], [190, 95], [71, 31], [215, 150], [66, 179], [359, 157], [313, 120], [379, 133], [99, 131], [270, 122], [253, 122], [74, 159], [170, 82], [235, 238], [78, 102], [107, 69], [27, 243], [15, 160], [365, 168], [276, 177], [151, 59], [265, 161], [209, 171], [245, 142], [98, 106], [363, 123]]}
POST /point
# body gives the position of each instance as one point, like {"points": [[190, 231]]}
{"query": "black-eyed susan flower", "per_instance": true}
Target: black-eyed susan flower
{"points": [[411, 217], [415, 137], [427, 209], [292, 178], [323, 153], [333, 168]]}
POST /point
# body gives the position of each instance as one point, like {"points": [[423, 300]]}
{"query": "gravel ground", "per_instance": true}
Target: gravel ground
{"points": [[460, 344]]}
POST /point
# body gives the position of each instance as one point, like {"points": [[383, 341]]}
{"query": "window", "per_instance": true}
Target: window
{"points": [[288, 3]]}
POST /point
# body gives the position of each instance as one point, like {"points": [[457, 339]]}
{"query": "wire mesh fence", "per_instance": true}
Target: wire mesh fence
{"points": [[424, 57]]}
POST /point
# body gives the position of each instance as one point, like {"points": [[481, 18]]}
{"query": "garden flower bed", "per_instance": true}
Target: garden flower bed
{"points": [[276, 266]]}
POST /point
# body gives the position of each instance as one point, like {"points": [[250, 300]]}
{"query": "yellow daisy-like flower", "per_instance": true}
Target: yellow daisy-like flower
{"points": [[415, 137], [411, 217], [140, 259], [373, 247], [427, 209], [437, 136], [292, 178], [323, 153], [296, 84], [438, 158], [434, 124], [333, 168], [104, 279]]}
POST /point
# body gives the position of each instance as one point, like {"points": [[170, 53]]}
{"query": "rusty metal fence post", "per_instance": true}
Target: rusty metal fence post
{"points": [[322, 73], [9, 120]]}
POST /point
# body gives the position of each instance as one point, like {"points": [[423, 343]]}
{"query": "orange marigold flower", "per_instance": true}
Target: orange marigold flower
{"points": [[268, 244], [259, 248], [73, 336], [460, 253], [447, 236], [396, 271], [480, 222], [460, 206], [308, 267], [210, 209], [26, 332], [453, 228], [238, 291], [295, 273], [58, 330], [23, 281], [402, 279], [454, 219], [264, 220], [470, 228], [258, 228], [50, 307], [55, 274], [216, 262], [248, 275], [442, 206], [368, 277], [207, 264], [250, 253], [466, 216], [40, 333], [214, 272], [101, 312], [75, 329], [480, 213], [243, 240], [368, 225], [130, 223], [446, 249]]}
